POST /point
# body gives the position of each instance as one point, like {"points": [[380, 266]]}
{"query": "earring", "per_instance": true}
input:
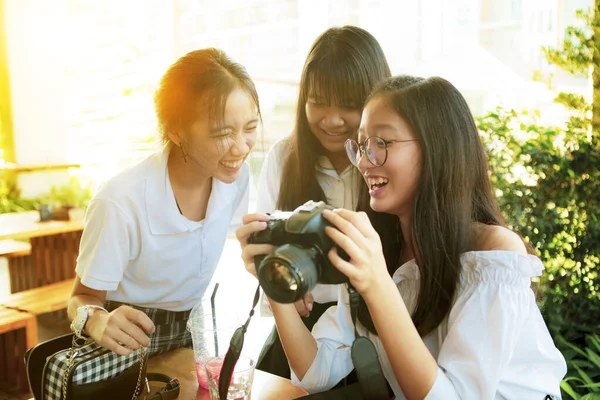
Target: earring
{"points": [[183, 153]]}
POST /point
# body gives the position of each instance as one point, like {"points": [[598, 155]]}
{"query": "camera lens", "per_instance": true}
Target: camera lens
{"points": [[288, 273]]}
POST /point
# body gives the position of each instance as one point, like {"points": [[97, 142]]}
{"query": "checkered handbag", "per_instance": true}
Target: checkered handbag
{"points": [[85, 370]]}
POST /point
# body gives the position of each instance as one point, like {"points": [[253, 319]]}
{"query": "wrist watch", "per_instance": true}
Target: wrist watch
{"points": [[81, 318]]}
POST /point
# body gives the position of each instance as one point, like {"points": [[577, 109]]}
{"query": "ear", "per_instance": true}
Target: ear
{"points": [[175, 138]]}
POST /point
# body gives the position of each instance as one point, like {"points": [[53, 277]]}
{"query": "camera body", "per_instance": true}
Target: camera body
{"points": [[300, 261]]}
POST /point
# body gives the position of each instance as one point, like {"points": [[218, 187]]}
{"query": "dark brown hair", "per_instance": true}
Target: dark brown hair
{"points": [[199, 83], [342, 67], [454, 191]]}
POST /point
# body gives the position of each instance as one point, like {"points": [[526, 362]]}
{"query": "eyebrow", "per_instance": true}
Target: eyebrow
{"points": [[379, 127], [224, 127]]}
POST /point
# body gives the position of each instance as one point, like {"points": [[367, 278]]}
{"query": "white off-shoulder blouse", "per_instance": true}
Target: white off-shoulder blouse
{"points": [[493, 345]]}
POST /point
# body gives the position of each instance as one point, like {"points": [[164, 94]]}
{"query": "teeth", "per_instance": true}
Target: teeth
{"points": [[232, 164], [376, 181]]}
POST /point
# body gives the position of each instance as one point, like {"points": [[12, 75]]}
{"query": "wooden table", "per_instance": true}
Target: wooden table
{"points": [[180, 363], [54, 249]]}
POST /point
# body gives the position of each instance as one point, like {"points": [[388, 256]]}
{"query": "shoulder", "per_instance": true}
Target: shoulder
{"points": [[129, 180], [274, 159], [491, 237], [279, 149]]}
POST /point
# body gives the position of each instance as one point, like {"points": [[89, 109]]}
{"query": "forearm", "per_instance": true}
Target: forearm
{"points": [[298, 343], [414, 366]]}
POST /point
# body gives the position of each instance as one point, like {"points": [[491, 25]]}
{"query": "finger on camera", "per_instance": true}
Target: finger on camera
{"points": [[246, 219], [309, 298], [253, 250], [338, 262], [301, 308], [243, 232], [359, 221]]}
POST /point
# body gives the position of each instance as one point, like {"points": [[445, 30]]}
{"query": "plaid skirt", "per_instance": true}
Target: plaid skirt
{"points": [[170, 333]]}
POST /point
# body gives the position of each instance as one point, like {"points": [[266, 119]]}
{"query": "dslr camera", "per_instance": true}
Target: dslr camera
{"points": [[300, 260]]}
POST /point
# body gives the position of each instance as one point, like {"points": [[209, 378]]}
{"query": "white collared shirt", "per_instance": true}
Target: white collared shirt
{"points": [[493, 345], [138, 247], [341, 191]]}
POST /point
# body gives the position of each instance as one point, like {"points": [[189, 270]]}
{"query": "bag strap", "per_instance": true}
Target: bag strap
{"points": [[371, 380], [235, 349]]}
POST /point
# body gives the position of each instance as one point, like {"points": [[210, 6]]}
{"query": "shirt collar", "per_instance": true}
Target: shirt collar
{"points": [[324, 165], [163, 214]]}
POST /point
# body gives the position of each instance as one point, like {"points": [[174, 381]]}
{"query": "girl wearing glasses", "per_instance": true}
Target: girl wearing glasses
{"points": [[444, 285], [342, 67], [154, 233]]}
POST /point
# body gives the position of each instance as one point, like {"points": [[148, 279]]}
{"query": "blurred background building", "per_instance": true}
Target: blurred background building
{"points": [[83, 72]]}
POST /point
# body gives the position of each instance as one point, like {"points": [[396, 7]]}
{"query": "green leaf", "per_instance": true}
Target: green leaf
{"points": [[586, 378], [593, 357], [591, 396], [564, 342], [595, 339], [569, 390]]}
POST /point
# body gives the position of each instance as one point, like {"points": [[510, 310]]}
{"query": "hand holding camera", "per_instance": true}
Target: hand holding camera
{"points": [[291, 253]]}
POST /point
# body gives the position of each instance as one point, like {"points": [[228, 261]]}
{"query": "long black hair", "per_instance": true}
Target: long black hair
{"points": [[454, 191], [342, 67]]}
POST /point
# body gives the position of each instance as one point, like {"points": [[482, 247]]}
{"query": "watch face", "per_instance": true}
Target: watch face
{"points": [[80, 320]]}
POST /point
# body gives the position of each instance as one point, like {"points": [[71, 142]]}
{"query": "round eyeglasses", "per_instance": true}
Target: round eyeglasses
{"points": [[374, 147]]}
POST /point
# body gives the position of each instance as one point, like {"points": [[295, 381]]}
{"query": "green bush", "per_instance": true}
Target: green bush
{"points": [[548, 186], [584, 368]]}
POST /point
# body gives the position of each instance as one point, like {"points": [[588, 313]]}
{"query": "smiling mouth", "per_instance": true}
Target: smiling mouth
{"points": [[334, 133], [376, 183], [232, 164]]}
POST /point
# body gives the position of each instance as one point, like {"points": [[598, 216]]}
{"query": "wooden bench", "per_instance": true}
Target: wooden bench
{"points": [[41, 300], [21, 269], [53, 254], [18, 332], [14, 248], [19, 327]]}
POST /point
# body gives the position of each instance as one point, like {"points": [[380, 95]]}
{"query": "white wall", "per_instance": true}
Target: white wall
{"points": [[35, 39], [35, 60]]}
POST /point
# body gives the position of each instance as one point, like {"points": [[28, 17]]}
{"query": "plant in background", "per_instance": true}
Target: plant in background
{"points": [[584, 368], [10, 200], [70, 195], [547, 180]]}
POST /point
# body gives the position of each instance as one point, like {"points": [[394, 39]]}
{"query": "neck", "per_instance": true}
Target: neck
{"points": [[185, 174], [191, 186], [339, 161]]}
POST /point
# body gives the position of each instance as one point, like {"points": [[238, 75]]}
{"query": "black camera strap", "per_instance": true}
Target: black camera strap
{"points": [[235, 349], [371, 380]]}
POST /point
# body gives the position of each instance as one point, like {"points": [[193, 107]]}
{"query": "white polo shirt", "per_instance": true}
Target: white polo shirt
{"points": [[341, 191], [138, 247]]}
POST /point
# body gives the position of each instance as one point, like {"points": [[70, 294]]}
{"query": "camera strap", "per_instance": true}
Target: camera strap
{"points": [[235, 349], [371, 380]]}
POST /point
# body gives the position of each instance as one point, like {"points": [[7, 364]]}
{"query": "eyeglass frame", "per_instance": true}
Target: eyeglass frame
{"points": [[362, 147]]}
